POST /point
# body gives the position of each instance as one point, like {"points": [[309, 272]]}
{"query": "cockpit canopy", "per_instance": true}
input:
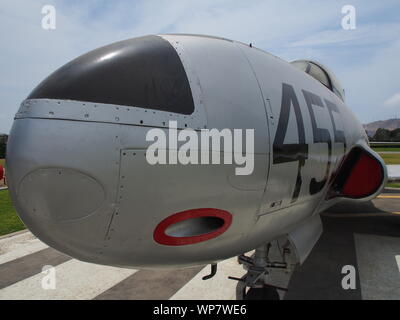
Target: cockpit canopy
{"points": [[322, 74]]}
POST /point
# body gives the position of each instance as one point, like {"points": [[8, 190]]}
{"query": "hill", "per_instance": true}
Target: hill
{"points": [[389, 124]]}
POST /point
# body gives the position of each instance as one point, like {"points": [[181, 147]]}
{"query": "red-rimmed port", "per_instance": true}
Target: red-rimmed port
{"points": [[360, 175], [192, 226]]}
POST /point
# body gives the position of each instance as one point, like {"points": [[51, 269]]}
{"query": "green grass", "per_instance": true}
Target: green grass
{"points": [[386, 149], [393, 185], [390, 158], [9, 221]]}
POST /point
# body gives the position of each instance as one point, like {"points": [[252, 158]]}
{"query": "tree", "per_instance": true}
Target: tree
{"points": [[395, 134], [382, 135]]}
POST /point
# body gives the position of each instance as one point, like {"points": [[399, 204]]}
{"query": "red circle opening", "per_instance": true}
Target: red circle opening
{"points": [[161, 237]]}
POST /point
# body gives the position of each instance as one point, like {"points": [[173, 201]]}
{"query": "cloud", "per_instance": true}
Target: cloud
{"points": [[370, 82], [372, 34], [393, 101]]}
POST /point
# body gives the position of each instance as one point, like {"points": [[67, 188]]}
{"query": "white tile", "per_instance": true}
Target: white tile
{"points": [[18, 246], [74, 280]]}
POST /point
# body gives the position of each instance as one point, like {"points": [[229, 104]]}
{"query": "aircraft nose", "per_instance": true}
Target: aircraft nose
{"points": [[66, 142]]}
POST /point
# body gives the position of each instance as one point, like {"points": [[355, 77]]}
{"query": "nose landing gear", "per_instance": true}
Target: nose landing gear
{"points": [[259, 268]]}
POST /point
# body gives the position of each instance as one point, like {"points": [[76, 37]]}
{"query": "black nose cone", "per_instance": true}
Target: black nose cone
{"points": [[142, 72]]}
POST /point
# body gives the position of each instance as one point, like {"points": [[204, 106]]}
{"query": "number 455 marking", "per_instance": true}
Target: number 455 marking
{"points": [[299, 152]]}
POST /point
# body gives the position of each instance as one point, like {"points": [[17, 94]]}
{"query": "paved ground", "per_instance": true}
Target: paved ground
{"points": [[393, 171], [366, 236]]}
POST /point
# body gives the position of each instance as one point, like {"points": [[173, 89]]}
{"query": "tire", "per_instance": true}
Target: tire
{"points": [[266, 293]]}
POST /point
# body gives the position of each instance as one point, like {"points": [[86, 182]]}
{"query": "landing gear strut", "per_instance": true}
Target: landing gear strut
{"points": [[258, 275]]}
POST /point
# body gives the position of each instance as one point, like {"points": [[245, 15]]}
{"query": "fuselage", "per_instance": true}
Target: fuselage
{"points": [[79, 175]]}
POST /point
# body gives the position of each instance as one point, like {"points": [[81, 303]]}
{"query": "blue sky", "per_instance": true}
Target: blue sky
{"points": [[366, 60]]}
